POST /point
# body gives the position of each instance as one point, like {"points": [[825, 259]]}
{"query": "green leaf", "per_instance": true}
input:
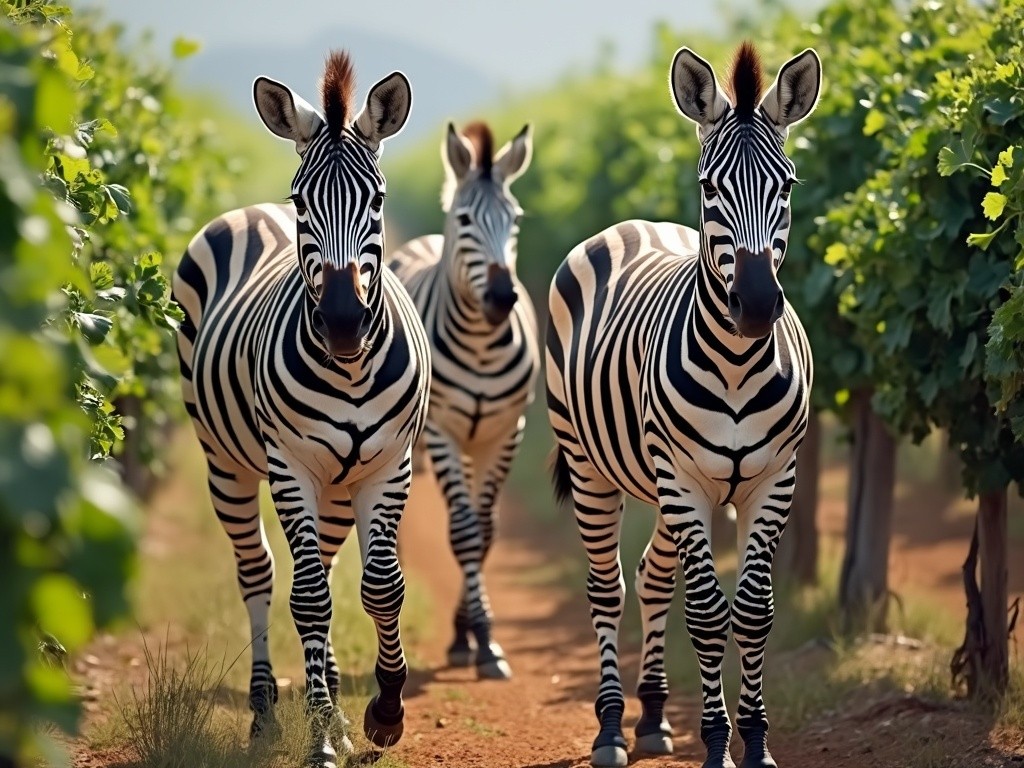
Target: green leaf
{"points": [[94, 327], [182, 47], [954, 157], [874, 122], [993, 205]]}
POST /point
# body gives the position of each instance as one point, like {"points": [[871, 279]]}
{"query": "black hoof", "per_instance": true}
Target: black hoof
{"points": [[383, 731], [717, 743], [755, 749], [491, 663], [609, 750], [460, 653], [264, 726]]}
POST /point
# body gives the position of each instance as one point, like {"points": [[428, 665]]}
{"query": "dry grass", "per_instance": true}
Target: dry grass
{"points": [[190, 709]]}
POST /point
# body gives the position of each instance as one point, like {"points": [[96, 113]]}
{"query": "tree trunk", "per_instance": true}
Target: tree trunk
{"points": [[864, 580], [983, 661], [135, 472], [797, 557]]}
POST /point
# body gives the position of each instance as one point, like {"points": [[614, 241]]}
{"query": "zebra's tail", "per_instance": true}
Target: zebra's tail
{"points": [[560, 476]]}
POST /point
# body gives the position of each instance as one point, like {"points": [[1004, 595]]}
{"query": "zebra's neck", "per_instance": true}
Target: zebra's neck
{"points": [[710, 326], [459, 313]]}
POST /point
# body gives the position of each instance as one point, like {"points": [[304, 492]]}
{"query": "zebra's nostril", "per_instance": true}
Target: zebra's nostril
{"points": [[735, 306], [319, 325]]}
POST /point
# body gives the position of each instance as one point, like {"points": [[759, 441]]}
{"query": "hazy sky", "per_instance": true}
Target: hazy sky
{"points": [[519, 44]]}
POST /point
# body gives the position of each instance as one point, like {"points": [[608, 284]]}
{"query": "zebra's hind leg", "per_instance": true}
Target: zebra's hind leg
{"points": [[466, 536], [333, 528], [687, 516], [655, 585], [598, 508], [296, 496], [235, 497], [761, 523], [379, 502], [491, 468]]}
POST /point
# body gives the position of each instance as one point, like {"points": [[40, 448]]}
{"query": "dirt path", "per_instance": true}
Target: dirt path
{"points": [[544, 716]]}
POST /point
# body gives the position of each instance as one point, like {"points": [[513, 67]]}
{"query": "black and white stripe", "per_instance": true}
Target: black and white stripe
{"points": [[676, 374], [485, 356], [303, 362]]}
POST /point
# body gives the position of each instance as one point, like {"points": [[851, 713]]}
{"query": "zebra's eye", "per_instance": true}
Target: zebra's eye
{"points": [[299, 203], [709, 189], [787, 188], [378, 202]]}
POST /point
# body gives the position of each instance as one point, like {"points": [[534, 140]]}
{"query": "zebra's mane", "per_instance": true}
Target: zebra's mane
{"points": [[337, 90], [746, 81], [478, 133]]}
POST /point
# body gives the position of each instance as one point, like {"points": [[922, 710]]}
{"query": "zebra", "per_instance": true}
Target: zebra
{"points": [[485, 353], [677, 374], [303, 362]]}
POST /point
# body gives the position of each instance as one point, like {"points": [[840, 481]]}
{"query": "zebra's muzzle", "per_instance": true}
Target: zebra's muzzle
{"points": [[756, 299], [342, 318], [501, 294]]}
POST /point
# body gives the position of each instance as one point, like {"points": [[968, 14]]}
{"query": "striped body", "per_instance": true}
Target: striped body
{"points": [[485, 356], [677, 374], [303, 363]]}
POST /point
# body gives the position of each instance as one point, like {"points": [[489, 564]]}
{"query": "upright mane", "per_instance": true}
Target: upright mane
{"points": [[479, 134], [746, 81], [337, 90]]}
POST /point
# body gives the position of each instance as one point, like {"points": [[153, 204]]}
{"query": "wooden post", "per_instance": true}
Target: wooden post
{"points": [[864, 580]]}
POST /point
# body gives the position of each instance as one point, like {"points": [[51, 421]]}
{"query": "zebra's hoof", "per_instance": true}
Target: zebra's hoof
{"points": [[460, 655], [382, 732], [654, 744], [322, 755], [610, 756], [495, 669]]}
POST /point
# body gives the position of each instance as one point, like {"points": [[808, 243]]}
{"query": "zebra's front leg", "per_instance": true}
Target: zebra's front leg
{"points": [[761, 520], [473, 615], [334, 525], [655, 585], [687, 516], [235, 497], [378, 503], [597, 505], [296, 496]]}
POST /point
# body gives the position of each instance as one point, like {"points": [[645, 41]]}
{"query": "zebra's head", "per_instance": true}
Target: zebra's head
{"points": [[483, 214], [745, 176], [338, 192]]}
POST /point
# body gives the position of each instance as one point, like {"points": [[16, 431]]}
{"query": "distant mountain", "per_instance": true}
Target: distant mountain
{"points": [[443, 87]]}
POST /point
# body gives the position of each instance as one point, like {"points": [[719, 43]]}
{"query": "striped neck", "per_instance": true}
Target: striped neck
{"points": [[711, 328], [459, 312]]}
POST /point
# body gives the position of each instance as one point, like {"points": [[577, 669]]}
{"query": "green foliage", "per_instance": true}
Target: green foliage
{"points": [[98, 178], [925, 273]]}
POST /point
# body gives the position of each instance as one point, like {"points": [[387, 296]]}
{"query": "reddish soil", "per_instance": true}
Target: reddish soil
{"points": [[543, 717]]}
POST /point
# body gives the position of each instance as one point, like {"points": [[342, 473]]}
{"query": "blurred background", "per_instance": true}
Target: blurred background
{"points": [[900, 573]]}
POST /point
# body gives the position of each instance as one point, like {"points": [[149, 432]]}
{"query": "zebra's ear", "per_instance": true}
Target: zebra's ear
{"points": [[285, 113], [513, 159], [456, 153], [387, 108], [695, 89], [795, 92]]}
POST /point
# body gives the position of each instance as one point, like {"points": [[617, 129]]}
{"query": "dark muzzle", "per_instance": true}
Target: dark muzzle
{"points": [[756, 300], [341, 317], [500, 296]]}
